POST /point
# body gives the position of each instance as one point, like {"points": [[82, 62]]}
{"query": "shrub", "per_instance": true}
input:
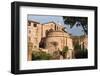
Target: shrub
{"points": [[82, 54], [64, 51], [40, 56]]}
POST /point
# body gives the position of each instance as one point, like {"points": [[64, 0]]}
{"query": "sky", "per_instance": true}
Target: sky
{"points": [[75, 31], [46, 18]]}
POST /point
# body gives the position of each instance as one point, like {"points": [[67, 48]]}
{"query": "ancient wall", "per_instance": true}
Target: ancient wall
{"points": [[53, 37]]}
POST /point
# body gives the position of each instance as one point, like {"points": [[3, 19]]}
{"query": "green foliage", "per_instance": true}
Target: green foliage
{"points": [[81, 21], [80, 52], [40, 56], [64, 51], [77, 46]]}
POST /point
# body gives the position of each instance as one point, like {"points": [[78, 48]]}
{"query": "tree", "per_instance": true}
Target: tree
{"points": [[80, 52], [64, 51], [79, 21], [77, 47]]}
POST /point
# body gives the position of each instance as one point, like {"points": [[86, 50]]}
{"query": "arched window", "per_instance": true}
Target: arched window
{"points": [[35, 25]]}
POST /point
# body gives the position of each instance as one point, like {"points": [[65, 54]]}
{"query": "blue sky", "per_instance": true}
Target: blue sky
{"points": [[75, 31], [45, 19]]}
